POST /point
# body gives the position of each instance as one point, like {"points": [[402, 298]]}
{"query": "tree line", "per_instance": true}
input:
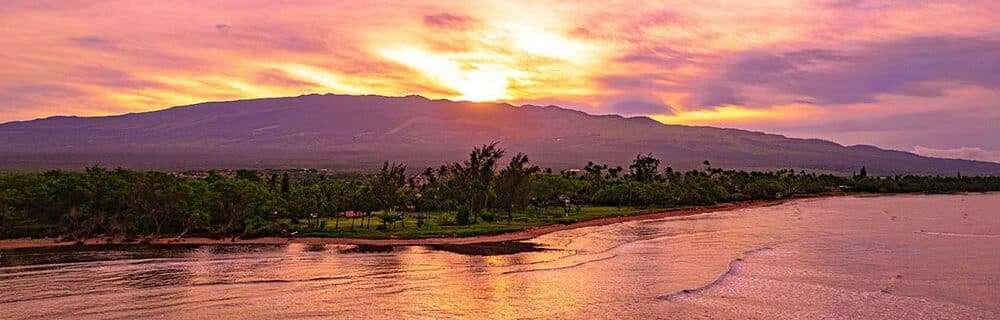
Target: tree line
{"points": [[128, 204]]}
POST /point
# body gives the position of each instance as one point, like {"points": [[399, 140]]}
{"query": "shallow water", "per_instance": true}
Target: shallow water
{"points": [[904, 257]]}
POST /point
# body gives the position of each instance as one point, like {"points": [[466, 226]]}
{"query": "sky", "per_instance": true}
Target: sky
{"points": [[919, 76]]}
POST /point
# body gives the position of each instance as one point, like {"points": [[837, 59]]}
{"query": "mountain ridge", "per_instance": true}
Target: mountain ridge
{"points": [[357, 132]]}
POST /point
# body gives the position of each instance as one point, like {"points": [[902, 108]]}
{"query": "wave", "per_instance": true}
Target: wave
{"points": [[576, 253], [729, 273], [954, 234], [266, 281], [758, 251], [562, 267]]}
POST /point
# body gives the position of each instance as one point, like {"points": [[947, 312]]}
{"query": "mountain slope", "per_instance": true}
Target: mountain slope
{"points": [[359, 132]]}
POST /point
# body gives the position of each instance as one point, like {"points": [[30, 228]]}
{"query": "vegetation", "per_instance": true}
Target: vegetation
{"points": [[474, 197]]}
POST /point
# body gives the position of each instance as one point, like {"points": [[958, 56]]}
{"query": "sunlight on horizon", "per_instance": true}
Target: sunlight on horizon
{"points": [[485, 71]]}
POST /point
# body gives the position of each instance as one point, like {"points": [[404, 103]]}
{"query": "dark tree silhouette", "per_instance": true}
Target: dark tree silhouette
{"points": [[644, 168], [286, 184]]}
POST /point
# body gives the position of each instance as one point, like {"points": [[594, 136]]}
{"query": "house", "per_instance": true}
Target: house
{"points": [[350, 214], [419, 180]]}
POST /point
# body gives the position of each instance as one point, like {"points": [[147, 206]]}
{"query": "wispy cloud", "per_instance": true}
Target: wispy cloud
{"points": [[920, 66], [971, 153]]}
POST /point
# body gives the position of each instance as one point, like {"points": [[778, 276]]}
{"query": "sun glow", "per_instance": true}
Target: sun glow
{"points": [[738, 114], [318, 76], [502, 62], [548, 44], [473, 81]]}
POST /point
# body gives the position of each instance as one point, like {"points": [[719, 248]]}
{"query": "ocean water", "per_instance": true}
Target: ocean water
{"points": [[892, 257]]}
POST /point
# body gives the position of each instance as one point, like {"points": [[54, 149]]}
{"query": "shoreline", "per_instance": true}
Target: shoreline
{"points": [[7, 244]]}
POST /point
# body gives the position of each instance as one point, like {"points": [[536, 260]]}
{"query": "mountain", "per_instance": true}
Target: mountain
{"points": [[343, 132]]}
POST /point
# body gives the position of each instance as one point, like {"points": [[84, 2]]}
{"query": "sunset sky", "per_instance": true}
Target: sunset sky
{"points": [[920, 76]]}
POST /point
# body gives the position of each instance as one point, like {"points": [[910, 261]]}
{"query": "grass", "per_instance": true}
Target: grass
{"points": [[440, 224]]}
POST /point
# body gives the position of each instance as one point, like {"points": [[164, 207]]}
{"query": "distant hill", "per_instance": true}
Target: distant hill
{"points": [[359, 132]]}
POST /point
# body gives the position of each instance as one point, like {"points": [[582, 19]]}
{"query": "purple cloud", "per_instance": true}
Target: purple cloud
{"points": [[23, 97], [869, 5], [657, 57], [973, 153], [92, 42], [961, 125], [40, 90], [115, 78], [279, 78], [447, 20], [716, 95], [259, 37], [636, 105], [903, 67], [646, 81]]}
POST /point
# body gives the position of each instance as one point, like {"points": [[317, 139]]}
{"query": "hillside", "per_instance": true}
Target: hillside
{"points": [[358, 132]]}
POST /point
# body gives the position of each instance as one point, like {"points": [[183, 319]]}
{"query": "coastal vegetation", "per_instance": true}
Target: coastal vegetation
{"points": [[478, 196]]}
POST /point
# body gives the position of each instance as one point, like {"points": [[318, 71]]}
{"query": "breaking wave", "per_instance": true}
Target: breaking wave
{"points": [[729, 273], [953, 234]]}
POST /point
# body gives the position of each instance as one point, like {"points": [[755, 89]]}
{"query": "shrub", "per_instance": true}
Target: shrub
{"points": [[445, 219], [258, 226], [463, 217], [765, 189], [488, 216]]}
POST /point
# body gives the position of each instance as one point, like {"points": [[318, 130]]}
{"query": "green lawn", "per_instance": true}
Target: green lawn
{"points": [[440, 224]]}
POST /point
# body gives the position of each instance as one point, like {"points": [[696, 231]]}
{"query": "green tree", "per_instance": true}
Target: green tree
{"points": [[162, 199], [306, 202], [337, 198], [364, 201], [549, 190], [251, 175], [512, 185], [272, 182], [235, 201], [474, 177], [389, 219], [11, 215], [765, 189], [644, 168], [286, 183], [387, 185]]}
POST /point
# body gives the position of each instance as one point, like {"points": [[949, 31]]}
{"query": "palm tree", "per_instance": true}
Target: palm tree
{"points": [[512, 185], [475, 176]]}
